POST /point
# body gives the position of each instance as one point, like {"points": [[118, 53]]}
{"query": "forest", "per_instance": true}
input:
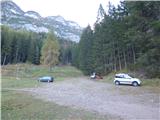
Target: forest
{"points": [[21, 46], [124, 37]]}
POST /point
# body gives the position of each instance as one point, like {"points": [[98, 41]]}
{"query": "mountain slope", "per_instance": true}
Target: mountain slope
{"points": [[13, 16]]}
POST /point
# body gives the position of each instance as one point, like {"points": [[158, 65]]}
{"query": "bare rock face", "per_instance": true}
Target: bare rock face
{"points": [[13, 16]]}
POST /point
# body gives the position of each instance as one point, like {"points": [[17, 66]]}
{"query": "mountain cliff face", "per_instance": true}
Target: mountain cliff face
{"points": [[13, 16]]}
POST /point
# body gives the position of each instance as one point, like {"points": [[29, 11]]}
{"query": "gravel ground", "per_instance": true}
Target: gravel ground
{"points": [[122, 102]]}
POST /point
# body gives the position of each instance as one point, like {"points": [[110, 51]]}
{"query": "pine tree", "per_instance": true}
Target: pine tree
{"points": [[75, 55], [85, 51], [101, 14]]}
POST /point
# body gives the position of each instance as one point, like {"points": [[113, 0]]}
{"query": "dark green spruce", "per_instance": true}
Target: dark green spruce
{"points": [[128, 37]]}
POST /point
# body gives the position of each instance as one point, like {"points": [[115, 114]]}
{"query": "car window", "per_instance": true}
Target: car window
{"points": [[119, 76], [46, 77], [128, 77]]}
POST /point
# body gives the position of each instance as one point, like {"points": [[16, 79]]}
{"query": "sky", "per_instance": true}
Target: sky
{"points": [[83, 12]]}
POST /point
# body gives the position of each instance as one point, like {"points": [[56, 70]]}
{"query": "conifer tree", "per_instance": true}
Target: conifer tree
{"points": [[101, 13], [85, 51], [50, 51]]}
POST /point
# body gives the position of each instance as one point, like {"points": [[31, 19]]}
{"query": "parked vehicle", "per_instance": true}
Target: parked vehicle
{"points": [[46, 79], [123, 78], [96, 76]]}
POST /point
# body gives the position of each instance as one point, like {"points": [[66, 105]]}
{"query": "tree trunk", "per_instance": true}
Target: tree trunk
{"points": [[115, 68], [119, 60], [105, 63], [16, 55], [134, 56], [114, 57], [4, 60], [110, 62], [125, 62]]}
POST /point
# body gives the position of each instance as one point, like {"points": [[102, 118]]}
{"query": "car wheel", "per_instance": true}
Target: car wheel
{"points": [[117, 82], [135, 84]]}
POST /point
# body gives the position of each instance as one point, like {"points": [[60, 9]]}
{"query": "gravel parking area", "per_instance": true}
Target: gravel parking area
{"points": [[123, 102]]}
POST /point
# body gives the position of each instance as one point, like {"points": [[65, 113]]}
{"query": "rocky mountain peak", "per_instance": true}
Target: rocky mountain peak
{"points": [[9, 6], [32, 14], [13, 16]]}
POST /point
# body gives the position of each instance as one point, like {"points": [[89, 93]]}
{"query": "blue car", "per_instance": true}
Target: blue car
{"points": [[46, 79]]}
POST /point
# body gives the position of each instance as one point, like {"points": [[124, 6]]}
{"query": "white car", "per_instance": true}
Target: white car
{"points": [[123, 78]]}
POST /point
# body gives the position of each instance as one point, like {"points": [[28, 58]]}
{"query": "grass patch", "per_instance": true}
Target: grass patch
{"points": [[26, 75], [155, 82], [21, 106], [12, 82], [27, 70]]}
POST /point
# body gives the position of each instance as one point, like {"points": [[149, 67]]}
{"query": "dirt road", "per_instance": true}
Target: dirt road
{"points": [[124, 102]]}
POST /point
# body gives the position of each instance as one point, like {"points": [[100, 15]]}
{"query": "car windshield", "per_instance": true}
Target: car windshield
{"points": [[127, 76], [123, 76], [132, 76]]}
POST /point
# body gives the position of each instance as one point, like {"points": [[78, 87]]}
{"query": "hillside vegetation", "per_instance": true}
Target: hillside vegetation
{"points": [[127, 37]]}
